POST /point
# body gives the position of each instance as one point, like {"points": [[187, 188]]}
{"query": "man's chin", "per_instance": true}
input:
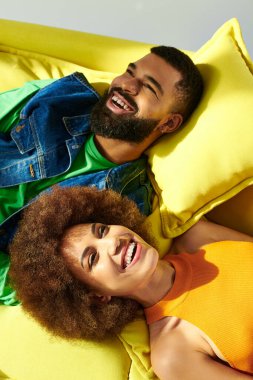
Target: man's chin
{"points": [[122, 128]]}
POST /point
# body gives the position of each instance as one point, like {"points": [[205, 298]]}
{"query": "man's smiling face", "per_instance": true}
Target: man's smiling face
{"points": [[137, 100]]}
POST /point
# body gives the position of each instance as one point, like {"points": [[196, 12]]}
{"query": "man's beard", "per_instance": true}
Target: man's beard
{"points": [[121, 127]]}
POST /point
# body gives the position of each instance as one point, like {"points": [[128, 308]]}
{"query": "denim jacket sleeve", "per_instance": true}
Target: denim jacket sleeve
{"points": [[53, 126], [12, 101]]}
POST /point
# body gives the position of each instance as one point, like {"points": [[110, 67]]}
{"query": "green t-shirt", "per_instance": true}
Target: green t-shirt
{"points": [[14, 198]]}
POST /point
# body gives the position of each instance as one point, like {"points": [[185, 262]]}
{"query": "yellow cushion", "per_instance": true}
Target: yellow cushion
{"points": [[210, 159], [29, 51], [235, 213], [28, 352], [31, 66]]}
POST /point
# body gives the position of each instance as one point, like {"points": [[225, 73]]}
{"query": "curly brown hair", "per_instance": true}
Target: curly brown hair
{"points": [[39, 272]]}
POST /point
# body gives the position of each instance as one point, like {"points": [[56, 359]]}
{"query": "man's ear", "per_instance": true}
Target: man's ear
{"points": [[99, 298], [170, 123]]}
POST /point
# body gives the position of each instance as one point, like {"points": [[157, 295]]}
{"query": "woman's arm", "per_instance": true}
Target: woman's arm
{"points": [[194, 365], [204, 232], [180, 351]]}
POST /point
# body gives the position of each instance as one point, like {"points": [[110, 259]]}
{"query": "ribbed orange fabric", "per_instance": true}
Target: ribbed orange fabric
{"points": [[213, 289]]}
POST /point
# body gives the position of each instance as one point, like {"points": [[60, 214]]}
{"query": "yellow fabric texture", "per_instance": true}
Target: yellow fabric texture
{"points": [[28, 352], [29, 52], [210, 159], [236, 212]]}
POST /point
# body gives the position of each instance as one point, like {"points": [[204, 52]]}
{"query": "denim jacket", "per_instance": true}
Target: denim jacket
{"points": [[53, 126]]}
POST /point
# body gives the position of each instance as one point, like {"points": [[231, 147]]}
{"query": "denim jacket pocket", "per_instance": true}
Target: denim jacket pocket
{"points": [[131, 179], [23, 137], [77, 125]]}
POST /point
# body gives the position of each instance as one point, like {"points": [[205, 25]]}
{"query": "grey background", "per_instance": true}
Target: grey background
{"points": [[186, 24]]}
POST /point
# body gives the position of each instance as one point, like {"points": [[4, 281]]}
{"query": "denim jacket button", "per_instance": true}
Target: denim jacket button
{"points": [[19, 127], [32, 172]]}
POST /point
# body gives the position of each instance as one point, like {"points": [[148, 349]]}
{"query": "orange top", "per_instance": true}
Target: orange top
{"points": [[213, 290]]}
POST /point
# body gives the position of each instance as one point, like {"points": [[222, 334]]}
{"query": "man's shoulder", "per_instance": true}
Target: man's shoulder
{"points": [[76, 79]]}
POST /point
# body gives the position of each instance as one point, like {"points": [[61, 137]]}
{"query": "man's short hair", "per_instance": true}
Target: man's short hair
{"points": [[189, 89]]}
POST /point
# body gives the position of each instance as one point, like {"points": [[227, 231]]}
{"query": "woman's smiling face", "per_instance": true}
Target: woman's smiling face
{"points": [[112, 260]]}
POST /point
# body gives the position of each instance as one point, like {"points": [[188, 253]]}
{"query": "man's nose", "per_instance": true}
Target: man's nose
{"points": [[131, 86]]}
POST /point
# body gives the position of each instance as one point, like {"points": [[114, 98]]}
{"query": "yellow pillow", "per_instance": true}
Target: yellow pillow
{"points": [[236, 213], [29, 51], [28, 352], [32, 66], [210, 159]]}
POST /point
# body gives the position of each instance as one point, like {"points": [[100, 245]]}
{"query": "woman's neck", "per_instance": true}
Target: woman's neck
{"points": [[158, 286]]}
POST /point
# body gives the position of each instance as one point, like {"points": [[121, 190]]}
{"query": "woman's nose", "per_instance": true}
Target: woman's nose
{"points": [[113, 246]]}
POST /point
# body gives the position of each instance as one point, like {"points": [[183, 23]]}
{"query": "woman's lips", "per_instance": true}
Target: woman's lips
{"points": [[136, 257]]}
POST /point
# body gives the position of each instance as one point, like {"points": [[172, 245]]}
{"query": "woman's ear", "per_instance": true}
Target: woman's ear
{"points": [[99, 298], [104, 299], [170, 123]]}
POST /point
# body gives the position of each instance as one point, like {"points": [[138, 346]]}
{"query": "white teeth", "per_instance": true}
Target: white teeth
{"points": [[121, 103], [129, 254]]}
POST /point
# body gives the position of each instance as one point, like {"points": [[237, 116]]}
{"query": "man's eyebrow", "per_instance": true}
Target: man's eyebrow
{"points": [[86, 250], [151, 79], [132, 65]]}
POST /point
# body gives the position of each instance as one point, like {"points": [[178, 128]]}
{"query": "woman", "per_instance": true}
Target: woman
{"points": [[80, 270]]}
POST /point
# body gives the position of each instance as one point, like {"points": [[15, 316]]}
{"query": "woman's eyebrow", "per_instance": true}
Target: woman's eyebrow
{"points": [[93, 228], [86, 250], [83, 256]]}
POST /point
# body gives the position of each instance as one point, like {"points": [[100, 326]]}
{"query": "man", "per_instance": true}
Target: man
{"points": [[65, 134]]}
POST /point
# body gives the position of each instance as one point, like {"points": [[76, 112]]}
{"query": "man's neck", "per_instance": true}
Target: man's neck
{"points": [[119, 151]]}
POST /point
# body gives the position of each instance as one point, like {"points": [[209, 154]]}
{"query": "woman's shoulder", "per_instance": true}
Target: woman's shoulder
{"points": [[172, 338]]}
